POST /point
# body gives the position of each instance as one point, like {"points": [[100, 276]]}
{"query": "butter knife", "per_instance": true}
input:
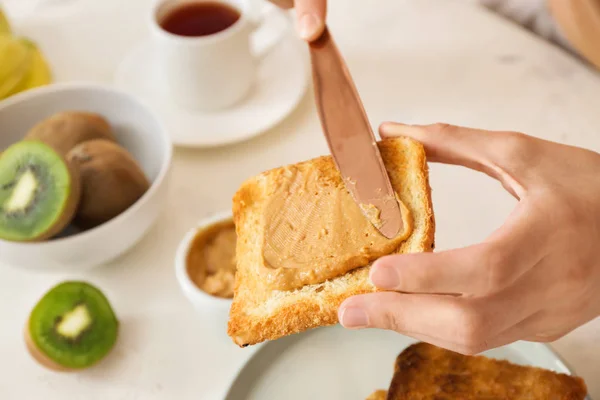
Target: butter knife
{"points": [[351, 139], [349, 135]]}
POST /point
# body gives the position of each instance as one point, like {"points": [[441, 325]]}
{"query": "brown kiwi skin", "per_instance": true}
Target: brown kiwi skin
{"points": [[111, 181], [40, 357], [70, 208], [67, 129]]}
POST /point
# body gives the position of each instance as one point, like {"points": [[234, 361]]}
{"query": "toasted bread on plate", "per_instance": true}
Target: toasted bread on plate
{"points": [[426, 372], [378, 395]]}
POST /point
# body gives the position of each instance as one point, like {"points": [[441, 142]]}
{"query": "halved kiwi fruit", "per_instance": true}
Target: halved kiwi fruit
{"points": [[39, 192], [72, 327]]}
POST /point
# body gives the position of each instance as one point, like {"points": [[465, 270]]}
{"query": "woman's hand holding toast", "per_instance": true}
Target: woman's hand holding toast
{"points": [[536, 278]]}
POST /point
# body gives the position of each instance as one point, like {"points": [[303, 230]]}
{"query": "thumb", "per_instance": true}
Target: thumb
{"points": [[502, 155]]}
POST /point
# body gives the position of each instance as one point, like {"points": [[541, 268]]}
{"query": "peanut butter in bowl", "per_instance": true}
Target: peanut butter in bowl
{"points": [[210, 261]]}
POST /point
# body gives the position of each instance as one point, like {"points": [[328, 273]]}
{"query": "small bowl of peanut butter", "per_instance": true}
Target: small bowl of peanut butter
{"points": [[205, 262]]}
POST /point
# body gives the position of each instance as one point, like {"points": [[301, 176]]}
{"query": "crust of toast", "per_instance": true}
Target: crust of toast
{"points": [[423, 371], [378, 395], [257, 314]]}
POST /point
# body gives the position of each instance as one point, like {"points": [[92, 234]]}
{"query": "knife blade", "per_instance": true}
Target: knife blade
{"points": [[351, 139]]}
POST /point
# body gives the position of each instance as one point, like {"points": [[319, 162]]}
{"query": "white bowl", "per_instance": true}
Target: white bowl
{"points": [[201, 300], [136, 129]]}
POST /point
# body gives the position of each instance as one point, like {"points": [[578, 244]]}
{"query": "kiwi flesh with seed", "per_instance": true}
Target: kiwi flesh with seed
{"points": [[111, 181], [72, 327], [39, 192], [67, 129]]}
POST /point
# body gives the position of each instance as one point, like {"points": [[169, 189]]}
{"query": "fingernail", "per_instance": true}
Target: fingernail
{"points": [[384, 277], [308, 26], [390, 128], [354, 317]]}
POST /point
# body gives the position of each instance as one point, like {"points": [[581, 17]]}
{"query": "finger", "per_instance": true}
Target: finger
{"points": [[470, 322], [310, 17], [498, 154], [533, 329], [520, 333], [445, 321], [456, 347], [480, 269], [457, 271], [548, 325]]}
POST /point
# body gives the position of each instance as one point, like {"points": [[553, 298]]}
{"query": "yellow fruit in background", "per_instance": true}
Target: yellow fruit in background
{"points": [[4, 25], [38, 74], [15, 59], [22, 64]]}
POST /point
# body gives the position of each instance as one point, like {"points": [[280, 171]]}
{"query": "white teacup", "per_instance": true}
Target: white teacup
{"points": [[212, 72]]}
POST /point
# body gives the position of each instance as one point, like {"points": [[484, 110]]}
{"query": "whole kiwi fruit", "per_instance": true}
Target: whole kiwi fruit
{"points": [[111, 181], [67, 129]]}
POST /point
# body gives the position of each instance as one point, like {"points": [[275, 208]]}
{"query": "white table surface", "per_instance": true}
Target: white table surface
{"points": [[412, 60]]}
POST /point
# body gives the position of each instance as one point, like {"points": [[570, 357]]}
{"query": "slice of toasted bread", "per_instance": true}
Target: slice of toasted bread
{"points": [[258, 314], [378, 395], [425, 372]]}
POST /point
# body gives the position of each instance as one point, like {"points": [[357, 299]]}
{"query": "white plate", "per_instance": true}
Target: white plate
{"points": [[281, 82], [334, 363]]}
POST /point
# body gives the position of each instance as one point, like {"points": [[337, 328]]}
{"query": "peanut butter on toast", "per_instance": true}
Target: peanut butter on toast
{"points": [[304, 245]]}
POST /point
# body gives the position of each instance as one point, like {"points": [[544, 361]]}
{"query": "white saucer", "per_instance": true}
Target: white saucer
{"points": [[281, 82]]}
